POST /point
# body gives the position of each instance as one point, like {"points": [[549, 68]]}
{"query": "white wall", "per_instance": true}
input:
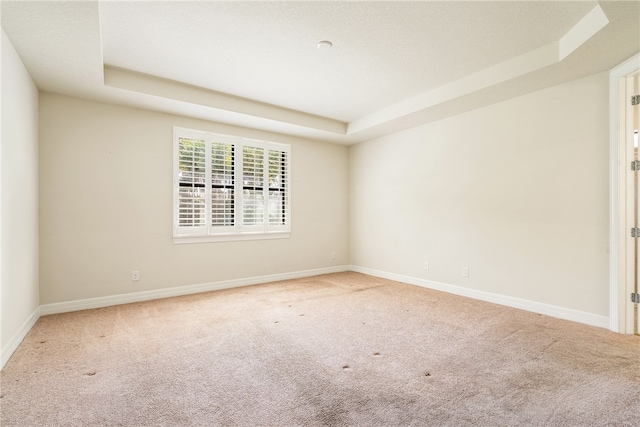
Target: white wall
{"points": [[106, 206], [19, 211], [517, 192]]}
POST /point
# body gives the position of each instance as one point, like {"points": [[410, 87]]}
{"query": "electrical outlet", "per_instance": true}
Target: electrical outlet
{"points": [[425, 265], [135, 276], [465, 272], [333, 255]]}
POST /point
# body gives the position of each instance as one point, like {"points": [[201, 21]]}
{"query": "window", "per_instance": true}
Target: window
{"points": [[229, 188]]}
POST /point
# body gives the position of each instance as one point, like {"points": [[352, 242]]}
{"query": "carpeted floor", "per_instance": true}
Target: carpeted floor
{"points": [[337, 350]]}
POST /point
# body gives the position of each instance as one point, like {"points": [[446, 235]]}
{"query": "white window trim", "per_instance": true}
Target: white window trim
{"points": [[238, 231]]}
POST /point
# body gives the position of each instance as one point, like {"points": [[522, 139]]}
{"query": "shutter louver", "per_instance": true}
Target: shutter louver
{"points": [[191, 183], [222, 184], [252, 186], [278, 187]]}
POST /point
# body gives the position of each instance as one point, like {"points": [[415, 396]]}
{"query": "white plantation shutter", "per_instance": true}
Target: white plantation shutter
{"points": [[191, 185], [222, 184], [252, 186], [278, 207], [229, 188]]}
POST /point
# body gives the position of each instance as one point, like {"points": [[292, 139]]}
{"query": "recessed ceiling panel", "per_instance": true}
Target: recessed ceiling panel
{"points": [[383, 52]]}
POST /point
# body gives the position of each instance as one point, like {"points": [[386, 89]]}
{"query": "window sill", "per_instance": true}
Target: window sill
{"points": [[179, 240]]}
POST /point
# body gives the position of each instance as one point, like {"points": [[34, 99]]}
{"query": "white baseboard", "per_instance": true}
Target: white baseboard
{"points": [[85, 304], [8, 350], [533, 306]]}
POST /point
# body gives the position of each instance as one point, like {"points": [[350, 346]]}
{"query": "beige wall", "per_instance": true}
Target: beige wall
{"points": [[517, 192], [19, 223], [106, 206]]}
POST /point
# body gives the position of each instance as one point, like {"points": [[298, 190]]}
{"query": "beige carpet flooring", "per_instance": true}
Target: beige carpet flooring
{"points": [[335, 350]]}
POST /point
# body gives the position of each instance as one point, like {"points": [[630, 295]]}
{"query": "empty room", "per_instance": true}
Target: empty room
{"points": [[320, 213]]}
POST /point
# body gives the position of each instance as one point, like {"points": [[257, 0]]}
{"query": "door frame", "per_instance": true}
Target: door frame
{"points": [[620, 306]]}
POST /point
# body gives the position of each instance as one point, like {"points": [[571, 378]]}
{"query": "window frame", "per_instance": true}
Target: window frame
{"points": [[239, 230]]}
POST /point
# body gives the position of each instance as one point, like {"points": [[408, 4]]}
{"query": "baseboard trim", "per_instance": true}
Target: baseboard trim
{"points": [[86, 304], [8, 350], [64, 307], [533, 306]]}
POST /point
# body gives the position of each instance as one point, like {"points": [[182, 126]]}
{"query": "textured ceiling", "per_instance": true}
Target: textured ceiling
{"points": [[256, 64]]}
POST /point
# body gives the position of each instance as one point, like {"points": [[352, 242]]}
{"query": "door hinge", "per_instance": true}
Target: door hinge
{"points": [[635, 99], [635, 165], [635, 297], [635, 232]]}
